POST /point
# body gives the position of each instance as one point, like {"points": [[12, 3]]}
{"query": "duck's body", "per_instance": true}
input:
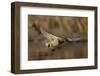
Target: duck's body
{"points": [[54, 41]]}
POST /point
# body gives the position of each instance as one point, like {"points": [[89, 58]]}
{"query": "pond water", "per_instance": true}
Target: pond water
{"points": [[67, 51]]}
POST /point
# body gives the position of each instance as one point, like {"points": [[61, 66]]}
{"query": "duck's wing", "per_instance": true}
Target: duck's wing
{"points": [[78, 39], [49, 36]]}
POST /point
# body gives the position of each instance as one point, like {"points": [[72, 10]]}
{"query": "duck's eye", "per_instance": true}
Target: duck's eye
{"points": [[48, 45]]}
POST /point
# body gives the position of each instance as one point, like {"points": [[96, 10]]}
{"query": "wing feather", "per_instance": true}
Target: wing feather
{"points": [[48, 35]]}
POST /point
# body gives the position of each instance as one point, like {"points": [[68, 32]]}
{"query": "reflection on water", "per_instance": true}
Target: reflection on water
{"points": [[67, 51]]}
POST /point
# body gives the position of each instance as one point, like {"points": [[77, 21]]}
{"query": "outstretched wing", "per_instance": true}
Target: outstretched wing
{"points": [[49, 36], [78, 39], [73, 39]]}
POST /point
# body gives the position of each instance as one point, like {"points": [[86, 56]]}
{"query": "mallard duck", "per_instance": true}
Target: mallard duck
{"points": [[54, 41]]}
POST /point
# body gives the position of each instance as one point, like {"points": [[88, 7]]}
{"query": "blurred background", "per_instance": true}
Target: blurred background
{"points": [[61, 26]]}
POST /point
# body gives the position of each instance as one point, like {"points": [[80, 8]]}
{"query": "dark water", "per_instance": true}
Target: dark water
{"points": [[66, 51]]}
